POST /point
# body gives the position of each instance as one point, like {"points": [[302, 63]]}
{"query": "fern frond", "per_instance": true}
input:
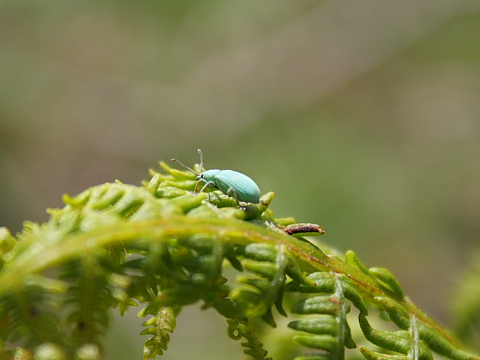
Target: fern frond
{"points": [[327, 329], [31, 316], [401, 341], [163, 323], [269, 264], [162, 247], [238, 329], [88, 301]]}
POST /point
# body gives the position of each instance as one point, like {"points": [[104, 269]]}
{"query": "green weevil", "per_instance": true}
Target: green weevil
{"points": [[231, 183]]}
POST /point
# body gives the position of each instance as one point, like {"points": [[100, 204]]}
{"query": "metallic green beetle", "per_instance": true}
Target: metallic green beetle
{"points": [[232, 183]]}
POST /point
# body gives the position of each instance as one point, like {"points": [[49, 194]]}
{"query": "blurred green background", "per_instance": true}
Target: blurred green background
{"points": [[361, 116]]}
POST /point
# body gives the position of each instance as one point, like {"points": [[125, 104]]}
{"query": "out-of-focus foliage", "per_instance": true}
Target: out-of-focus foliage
{"points": [[361, 116]]}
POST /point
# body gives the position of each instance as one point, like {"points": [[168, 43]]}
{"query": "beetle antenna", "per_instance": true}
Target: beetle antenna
{"points": [[201, 160], [185, 166]]}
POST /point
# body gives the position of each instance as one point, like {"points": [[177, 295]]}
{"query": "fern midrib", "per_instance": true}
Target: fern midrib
{"points": [[342, 314], [87, 301]]}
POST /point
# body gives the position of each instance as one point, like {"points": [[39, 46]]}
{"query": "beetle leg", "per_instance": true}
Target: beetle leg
{"points": [[207, 184], [231, 192], [196, 188]]}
